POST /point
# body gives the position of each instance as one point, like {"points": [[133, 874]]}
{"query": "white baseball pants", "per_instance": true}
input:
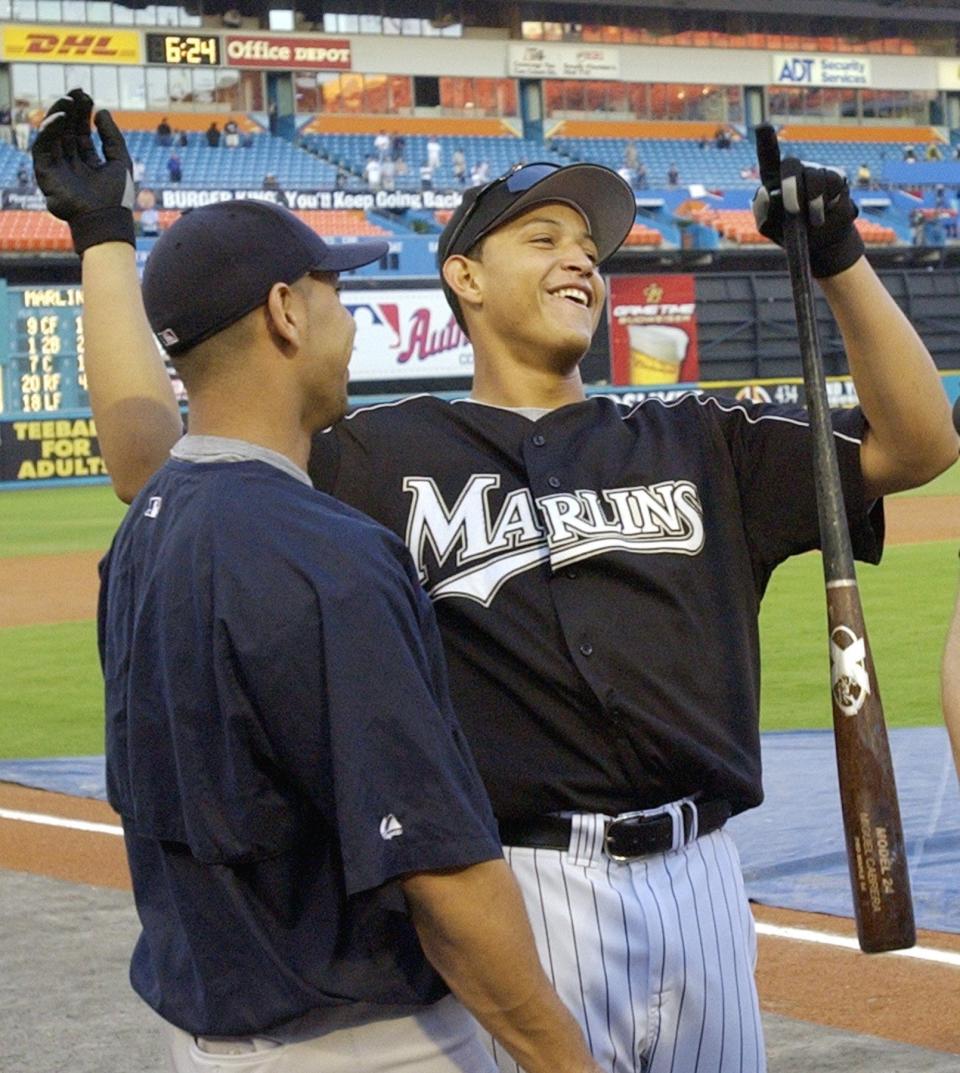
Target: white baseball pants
{"points": [[440, 1039], [654, 957]]}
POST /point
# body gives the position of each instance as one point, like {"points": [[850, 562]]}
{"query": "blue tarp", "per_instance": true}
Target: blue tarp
{"points": [[792, 847]]}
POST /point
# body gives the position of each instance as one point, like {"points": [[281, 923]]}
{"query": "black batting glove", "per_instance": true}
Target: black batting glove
{"points": [[95, 197], [823, 196]]}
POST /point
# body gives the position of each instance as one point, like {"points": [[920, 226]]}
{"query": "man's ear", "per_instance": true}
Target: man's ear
{"points": [[283, 315], [464, 277]]}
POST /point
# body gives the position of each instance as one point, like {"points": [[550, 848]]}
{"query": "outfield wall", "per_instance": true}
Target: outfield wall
{"points": [[62, 448]]}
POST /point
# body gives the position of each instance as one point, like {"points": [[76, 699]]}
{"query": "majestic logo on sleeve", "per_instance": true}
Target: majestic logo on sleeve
{"points": [[478, 551]]}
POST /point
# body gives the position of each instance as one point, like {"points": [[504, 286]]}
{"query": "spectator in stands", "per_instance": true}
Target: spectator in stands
{"points": [[183, 139], [340, 179], [864, 176], [909, 155], [382, 145], [627, 174], [6, 126], [459, 162], [372, 172], [434, 152], [399, 148], [150, 222], [270, 181], [630, 157], [231, 134], [139, 171], [22, 128], [25, 183], [721, 138], [213, 135], [933, 152], [426, 176], [480, 174], [174, 167], [388, 172], [640, 176], [673, 175], [164, 132]]}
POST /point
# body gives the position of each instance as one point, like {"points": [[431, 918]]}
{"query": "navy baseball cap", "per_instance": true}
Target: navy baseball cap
{"points": [[218, 262], [599, 194]]}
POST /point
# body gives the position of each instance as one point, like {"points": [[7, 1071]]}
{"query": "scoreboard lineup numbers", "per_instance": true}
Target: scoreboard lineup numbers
{"points": [[45, 370]]}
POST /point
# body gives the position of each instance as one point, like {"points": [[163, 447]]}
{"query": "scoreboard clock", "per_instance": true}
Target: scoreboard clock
{"points": [[191, 50]]}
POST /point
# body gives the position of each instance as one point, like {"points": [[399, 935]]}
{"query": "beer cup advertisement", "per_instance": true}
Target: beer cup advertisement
{"points": [[653, 330]]}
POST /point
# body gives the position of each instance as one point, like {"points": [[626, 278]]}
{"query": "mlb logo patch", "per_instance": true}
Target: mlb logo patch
{"points": [[153, 507]]}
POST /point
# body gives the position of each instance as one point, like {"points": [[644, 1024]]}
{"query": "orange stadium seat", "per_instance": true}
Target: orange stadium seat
{"points": [[32, 232], [340, 222]]}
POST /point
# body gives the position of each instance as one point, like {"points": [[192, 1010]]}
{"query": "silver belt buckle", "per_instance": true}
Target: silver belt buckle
{"points": [[620, 857]]}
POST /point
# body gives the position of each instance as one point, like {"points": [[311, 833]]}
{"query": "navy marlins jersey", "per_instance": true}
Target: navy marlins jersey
{"points": [[597, 575]]}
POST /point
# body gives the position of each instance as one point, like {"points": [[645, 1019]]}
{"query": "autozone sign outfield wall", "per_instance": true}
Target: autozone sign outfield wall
{"points": [[70, 44], [262, 50]]}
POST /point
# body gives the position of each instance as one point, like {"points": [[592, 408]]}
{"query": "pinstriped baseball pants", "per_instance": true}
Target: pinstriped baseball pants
{"points": [[654, 957]]}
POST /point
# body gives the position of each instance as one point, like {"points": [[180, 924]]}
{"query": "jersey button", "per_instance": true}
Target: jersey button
{"points": [[586, 649], [538, 440], [554, 482]]}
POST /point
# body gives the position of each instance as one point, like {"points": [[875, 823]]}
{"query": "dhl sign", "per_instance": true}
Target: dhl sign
{"points": [[70, 44]]}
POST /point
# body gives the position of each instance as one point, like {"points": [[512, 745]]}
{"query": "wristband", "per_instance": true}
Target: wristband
{"points": [[111, 224], [838, 256]]}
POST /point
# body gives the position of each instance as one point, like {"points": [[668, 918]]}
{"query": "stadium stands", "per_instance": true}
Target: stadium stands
{"points": [[33, 232]]}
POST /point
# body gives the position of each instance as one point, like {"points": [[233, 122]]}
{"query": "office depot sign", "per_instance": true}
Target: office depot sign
{"points": [[312, 53]]}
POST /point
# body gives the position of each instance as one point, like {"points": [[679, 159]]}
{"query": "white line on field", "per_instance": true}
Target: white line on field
{"points": [[805, 935], [60, 821], [776, 931]]}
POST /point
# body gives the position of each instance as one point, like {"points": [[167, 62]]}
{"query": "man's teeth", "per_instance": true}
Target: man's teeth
{"points": [[574, 293]]}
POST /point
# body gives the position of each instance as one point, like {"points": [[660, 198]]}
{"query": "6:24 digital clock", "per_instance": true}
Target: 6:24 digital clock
{"points": [[190, 49]]}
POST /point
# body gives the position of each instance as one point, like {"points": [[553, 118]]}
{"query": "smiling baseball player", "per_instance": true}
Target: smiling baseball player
{"points": [[597, 571]]}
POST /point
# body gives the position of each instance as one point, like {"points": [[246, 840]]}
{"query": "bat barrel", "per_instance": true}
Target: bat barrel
{"points": [[876, 851]]}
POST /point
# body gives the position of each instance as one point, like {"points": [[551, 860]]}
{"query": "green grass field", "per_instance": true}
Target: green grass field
{"points": [[50, 688]]}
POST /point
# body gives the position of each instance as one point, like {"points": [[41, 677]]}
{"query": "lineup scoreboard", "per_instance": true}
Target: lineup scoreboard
{"points": [[46, 432], [43, 359]]}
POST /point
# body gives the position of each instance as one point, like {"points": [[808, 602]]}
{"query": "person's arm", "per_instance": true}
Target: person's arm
{"points": [[950, 685], [910, 438], [131, 396], [130, 393], [473, 927]]}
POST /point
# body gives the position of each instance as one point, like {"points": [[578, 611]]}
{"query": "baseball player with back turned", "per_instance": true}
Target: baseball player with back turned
{"points": [[293, 823], [597, 569]]}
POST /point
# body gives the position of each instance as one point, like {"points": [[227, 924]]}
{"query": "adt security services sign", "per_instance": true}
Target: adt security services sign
{"points": [[799, 70]]}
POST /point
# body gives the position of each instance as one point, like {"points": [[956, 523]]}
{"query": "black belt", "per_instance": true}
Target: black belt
{"points": [[625, 838]]}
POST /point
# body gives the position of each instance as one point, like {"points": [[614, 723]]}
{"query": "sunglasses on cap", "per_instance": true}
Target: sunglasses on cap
{"points": [[517, 180]]}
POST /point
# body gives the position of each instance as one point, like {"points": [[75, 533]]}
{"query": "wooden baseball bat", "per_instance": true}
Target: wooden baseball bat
{"points": [[876, 852]]}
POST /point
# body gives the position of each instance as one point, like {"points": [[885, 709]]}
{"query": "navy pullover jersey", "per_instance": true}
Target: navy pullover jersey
{"points": [[597, 575], [280, 745]]}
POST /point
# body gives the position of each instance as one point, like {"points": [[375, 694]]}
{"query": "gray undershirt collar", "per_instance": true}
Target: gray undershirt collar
{"points": [[223, 449], [533, 413]]}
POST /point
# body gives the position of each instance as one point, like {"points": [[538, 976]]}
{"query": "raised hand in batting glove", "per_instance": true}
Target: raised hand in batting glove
{"points": [[820, 193], [95, 196]]}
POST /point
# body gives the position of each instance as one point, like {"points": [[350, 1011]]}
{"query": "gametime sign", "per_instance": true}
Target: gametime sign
{"points": [[406, 335], [70, 44], [653, 329], [312, 53]]}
